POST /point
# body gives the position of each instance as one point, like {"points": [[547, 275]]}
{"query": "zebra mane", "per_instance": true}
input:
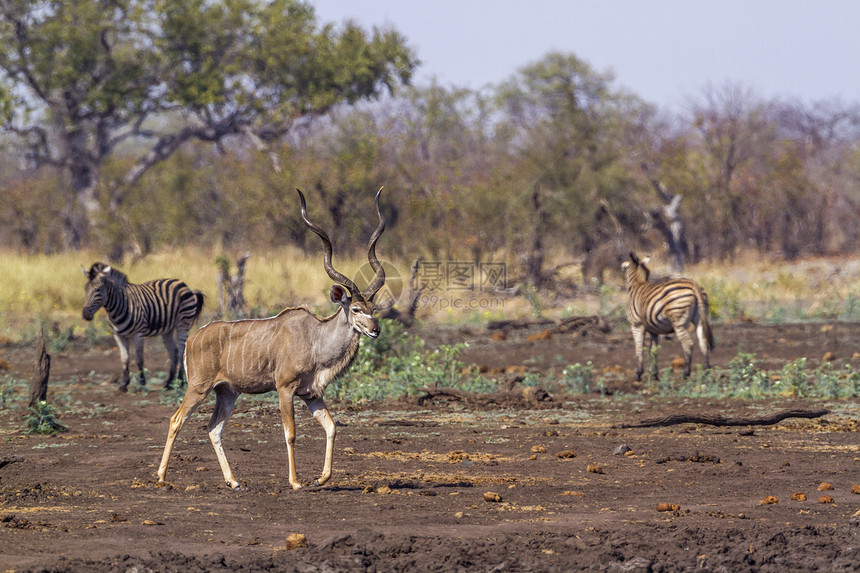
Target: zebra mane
{"points": [[118, 277]]}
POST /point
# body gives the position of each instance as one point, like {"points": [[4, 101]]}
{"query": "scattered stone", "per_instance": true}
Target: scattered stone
{"points": [[383, 490], [825, 486], [492, 496], [828, 357], [149, 522], [566, 455], [594, 469], [677, 363], [499, 336], [769, 500], [296, 540], [798, 496], [668, 507], [538, 449], [855, 489], [576, 493], [825, 499], [533, 457], [621, 450]]}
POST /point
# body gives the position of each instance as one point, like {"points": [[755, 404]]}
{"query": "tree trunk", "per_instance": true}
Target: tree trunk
{"points": [[668, 221], [231, 295], [535, 256], [41, 372]]}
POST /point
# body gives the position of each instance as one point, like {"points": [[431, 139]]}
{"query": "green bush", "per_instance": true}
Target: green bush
{"points": [[396, 364], [43, 420]]}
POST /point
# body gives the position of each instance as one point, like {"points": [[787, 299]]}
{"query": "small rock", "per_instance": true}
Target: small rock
{"points": [[828, 357], [296, 540], [383, 489], [769, 500], [825, 486], [594, 469], [538, 449], [492, 496], [798, 496], [855, 489], [621, 450], [149, 522], [668, 507], [825, 499], [565, 455]]}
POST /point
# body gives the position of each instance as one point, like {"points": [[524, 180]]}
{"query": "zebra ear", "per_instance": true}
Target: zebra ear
{"points": [[86, 272], [645, 261]]}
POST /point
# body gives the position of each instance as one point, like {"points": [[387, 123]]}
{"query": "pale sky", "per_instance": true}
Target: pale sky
{"points": [[665, 51]]}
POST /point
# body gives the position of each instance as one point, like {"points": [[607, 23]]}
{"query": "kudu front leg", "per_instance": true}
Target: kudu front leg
{"points": [[321, 414], [288, 419]]}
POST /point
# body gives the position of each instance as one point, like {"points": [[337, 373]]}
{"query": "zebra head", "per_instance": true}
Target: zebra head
{"points": [[96, 277]]}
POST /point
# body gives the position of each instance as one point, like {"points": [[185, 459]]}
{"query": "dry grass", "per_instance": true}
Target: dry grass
{"points": [[48, 289]]}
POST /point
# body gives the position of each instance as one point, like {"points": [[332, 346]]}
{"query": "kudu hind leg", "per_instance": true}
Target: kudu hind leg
{"points": [[225, 400], [322, 415], [189, 404]]}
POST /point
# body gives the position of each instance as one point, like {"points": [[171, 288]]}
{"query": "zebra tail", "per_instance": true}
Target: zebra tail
{"points": [[704, 310], [197, 311]]}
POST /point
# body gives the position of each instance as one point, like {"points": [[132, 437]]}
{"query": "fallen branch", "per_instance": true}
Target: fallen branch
{"points": [[528, 396], [720, 420]]}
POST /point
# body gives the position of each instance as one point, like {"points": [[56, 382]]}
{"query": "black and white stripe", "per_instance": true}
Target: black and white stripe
{"points": [[165, 307], [665, 307]]}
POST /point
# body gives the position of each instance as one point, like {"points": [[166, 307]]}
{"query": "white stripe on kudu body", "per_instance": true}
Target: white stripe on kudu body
{"points": [[294, 353], [665, 307]]}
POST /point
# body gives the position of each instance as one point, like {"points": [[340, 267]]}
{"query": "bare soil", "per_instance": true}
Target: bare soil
{"points": [[413, 486]]}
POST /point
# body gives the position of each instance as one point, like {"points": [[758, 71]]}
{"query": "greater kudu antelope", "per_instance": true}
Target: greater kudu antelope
{"points": [[295, 353]]}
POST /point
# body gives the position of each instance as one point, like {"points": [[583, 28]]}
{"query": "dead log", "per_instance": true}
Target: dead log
{"points": [[720, 420], [41, 372], [231, 295], [405, 317], [529, 396]]}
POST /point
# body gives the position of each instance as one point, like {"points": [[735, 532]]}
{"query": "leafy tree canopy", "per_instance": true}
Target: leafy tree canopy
{"points": [[80, 77]]}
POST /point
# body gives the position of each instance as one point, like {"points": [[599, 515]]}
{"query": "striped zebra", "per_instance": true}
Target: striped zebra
{"points": [[165, 307], [664, 307]]}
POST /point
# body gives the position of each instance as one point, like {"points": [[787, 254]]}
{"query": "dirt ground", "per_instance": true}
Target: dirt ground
{"points": [[443, 486]]}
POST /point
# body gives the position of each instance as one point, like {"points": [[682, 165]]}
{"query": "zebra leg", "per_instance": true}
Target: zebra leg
{"points": [[225, 400], [122, 344], [138, 354], [181, 337], [170, 345], [703, 344], [654, 339], [638, 342], [687, 344]]}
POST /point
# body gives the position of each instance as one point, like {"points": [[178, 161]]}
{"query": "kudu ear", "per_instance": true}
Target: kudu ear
{"points": [[340, 295]]}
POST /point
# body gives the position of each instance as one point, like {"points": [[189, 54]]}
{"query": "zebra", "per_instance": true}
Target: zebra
{"points": [[663, 307], [165, 307]]}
